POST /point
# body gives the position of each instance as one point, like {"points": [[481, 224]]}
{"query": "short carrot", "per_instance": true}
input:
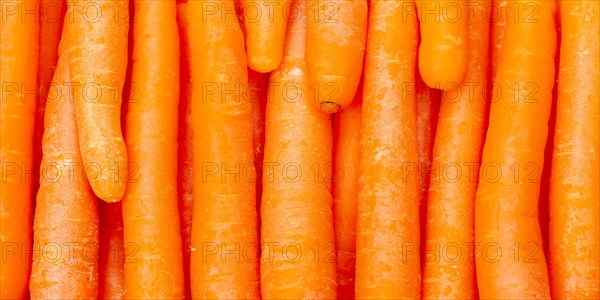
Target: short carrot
{"points": [[346, 160], [574, 207], [18, 72], [506, 218], [100, 43], [387, 232], [66, 201], [224, 219], [111, 262], [335, 49], [150, 207], [443, 50], [449, 271], [184, 150], [265, 23], [298, 254]]}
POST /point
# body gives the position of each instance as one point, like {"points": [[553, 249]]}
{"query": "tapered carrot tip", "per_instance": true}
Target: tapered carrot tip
{"points": [[107, 175], [330, 107], [263, 63], [444, 70]]}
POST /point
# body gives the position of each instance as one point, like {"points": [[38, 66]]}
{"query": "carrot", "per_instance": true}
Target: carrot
{"points": [[258, 84], [150, 211], [99, 42], [449, 271], [18, 71], [510, 262], [387, 231], [335, 48], [184, 150], [443, 51], [346, 158], [224, 259], [265, 23], [111, 262], [298, 256], [66, 201], [51, 20], [498, 27], [574, 209]]}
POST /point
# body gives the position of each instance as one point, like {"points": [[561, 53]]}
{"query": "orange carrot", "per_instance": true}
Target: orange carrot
{"points": [[574, 192], [509, 258], [387, 231], [265, 23], [18, 72], [258, 89], [111, 262], [66, 201], [335, 48], [150, 212], [224, 259], [184, 150], [346, 158], [449, 271], [100, 43], [298, 254], [498, 27], [443, 50]]}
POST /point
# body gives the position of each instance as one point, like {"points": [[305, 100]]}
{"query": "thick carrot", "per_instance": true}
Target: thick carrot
{"points": [[258, 84], [498, 27], [150, 208], [224, 260], [51, 20], [335, 49], [65, 201], [111, 262], [265, 23], [298, 254], [99, 42], [443, 51], [18, 72], [449, 271], [346, 160], [184, 150], [387, 233], [574, 192], [510, 262]]}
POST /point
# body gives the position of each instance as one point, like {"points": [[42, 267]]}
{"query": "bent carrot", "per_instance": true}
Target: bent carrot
{"points": [[388, 261], [298, 254], [443, 50], [18, 72], [574, 208], [265, 23], [100, 43], [506, 219], [66, 201], [111, 263], [335, 49], [150, 212], [224, 259], [449, 271], [346, 160]]}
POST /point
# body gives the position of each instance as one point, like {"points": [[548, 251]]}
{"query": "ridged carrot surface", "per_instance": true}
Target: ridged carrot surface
{"points": [[387, 232], [574, 190]]}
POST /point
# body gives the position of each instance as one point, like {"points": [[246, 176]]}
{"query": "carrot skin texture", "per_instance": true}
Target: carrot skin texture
{"points": [[451, 203], [100, 45], [297, 134], [443, 51], [66, 214], [498, 28], [346, 160], [111, 263], [388, 261], [574, 254], [150, 208], [335, 49], [265, 24], [18, 71], [224, 215], [258, 84], [184, 151], [507, 208]]}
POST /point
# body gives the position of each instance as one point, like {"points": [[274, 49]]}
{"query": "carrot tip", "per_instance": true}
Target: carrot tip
{"points": [[262, 63], [330, 107]]}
